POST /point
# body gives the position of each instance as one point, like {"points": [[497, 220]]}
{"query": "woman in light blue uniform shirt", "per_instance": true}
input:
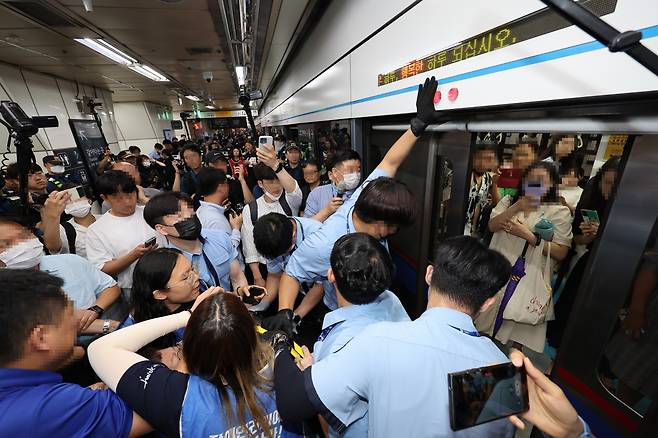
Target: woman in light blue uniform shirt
{"points": [[222, 385]]}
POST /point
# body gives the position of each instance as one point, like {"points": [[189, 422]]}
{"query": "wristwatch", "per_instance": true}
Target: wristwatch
{"points": [[279, 168], [106, 326], [538, 237], [98, 309]]}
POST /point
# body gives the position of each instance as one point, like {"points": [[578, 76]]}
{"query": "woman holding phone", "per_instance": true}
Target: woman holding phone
{"points": [[535, 225], [221, 387]]}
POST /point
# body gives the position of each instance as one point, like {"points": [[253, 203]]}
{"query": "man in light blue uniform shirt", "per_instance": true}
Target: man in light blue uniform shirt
{"points": [[345, 174], [276, 237], [210, 251], [397, 372], [214, 188], [361, 270], [378, 208]]}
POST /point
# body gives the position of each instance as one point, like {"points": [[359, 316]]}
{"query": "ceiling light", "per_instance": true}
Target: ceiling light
{"points": [[240, 73], [210, 107], [192, 98], [106, 49], [148, 72], [89, 5], [180, 100]]}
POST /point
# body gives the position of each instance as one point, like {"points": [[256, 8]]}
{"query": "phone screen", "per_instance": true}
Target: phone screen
{"points": [[590, 216], [485, 394], [150, 242], [76, 193]]}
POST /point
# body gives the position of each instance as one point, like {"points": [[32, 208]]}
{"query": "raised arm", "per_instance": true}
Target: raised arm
{"points": [[270, 159], [425, 115]]}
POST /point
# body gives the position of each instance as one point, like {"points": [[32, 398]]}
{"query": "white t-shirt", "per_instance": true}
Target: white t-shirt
{"points": [[80, 237], [571, 195], [111, 237]]}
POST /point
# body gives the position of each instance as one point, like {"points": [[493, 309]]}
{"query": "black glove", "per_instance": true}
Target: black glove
{"points": [[425, 112], [281, 321], [279, 341]]}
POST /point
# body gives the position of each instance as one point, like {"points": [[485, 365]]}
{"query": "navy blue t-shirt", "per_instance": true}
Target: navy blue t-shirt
{"points": [[38, 403]]}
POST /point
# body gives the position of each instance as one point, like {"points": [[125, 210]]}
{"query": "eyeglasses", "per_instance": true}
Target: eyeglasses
{"points": [[189, 280]]}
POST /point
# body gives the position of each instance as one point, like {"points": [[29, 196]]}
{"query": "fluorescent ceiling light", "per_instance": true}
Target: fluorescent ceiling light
{"points": [[148, 72], [210, 107], [240, 73], [106, 49], [192, 98], [180, 100]]}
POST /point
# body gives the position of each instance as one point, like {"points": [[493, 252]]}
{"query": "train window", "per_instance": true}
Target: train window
{"points": [[629, 363], [567, 180]]}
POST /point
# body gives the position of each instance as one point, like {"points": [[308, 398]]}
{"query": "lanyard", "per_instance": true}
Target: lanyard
{"points": [[474, 334], [324, 333], [209, 265]]}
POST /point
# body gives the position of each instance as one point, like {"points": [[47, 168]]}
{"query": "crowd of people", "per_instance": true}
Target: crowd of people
{"points": [[174, 307], [531, 209]]}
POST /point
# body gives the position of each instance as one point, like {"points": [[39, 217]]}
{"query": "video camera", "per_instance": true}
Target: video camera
{"points": [[21, 127]]}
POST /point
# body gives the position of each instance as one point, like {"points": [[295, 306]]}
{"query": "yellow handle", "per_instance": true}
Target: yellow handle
{"points": [[296, 350]]}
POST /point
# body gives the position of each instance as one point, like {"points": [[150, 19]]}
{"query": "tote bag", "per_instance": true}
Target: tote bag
{"points": [[532, 302]]}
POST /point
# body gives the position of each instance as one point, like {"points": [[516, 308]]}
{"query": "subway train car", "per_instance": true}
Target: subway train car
{"points": [[506, 70], [344, 73]]}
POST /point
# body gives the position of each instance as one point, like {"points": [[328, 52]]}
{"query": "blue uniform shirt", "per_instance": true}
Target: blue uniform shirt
{"points": [[83, 281], [320, 196], [37, 404], [341, 325], [396, 372], [305, 227], [219, 250], [212, 216], [310, 261]]}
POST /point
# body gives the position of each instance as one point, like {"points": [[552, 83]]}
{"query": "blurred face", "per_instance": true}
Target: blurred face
{"points": [[311, 174], [12, 234], [59, 339], [130, 169], [523, 156], [565, 147], [37, 182], [381, 230], [221, 165], [293, 156], [485, 161], [273, 186], [183, 284], [235, 153], [569, 179], [608, 183], [539, 177], [167, 227], [337, 174], [192, 159], [249, 147], [122, 204]]}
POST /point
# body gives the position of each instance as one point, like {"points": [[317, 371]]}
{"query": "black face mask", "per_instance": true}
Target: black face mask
{"points": [[189, 229]]}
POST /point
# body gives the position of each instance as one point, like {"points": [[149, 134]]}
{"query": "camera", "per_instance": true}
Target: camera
{"points": [[207, 76]]}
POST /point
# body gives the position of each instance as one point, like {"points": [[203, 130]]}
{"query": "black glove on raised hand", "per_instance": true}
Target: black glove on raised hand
{"points": [[425, 112], [280, 341], [281, 321]]}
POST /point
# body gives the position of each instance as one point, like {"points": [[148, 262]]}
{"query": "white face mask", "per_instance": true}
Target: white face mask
{"points": [[271, 196], [57, 169], [78, 209], [146, 164], [25, 255], [350, 182]]}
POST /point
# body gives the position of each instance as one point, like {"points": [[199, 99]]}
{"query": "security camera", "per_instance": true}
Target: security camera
{"points": [[207, 76]]}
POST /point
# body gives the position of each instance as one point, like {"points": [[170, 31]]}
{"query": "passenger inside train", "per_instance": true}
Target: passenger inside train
{"points": [[325, 225]]}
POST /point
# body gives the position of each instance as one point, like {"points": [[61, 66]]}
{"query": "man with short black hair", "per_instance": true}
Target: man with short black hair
{"points": [[293, 163], [211, 211], [118, 238], [344, 171], [155, 153], [191, 156], [38, 331], [282, 195], [135, 150], [211, 252], [378, 207], [361, 271], [239, 193], [409, 395]]}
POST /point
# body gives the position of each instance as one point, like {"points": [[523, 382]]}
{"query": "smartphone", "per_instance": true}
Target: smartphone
{"points": [[256, 293], [509, 178], [76, 193], [480, 395], [150, 242], [590, 216], [266, 142]]}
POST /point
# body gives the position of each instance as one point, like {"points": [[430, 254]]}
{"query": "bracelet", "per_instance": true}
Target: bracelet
{"points": [[279, 168], [106, 326], [98, 309]]}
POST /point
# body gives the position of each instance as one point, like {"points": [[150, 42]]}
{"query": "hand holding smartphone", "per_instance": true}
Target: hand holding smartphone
{"points": [[590, 216], [266, 142], [485, 394]]}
